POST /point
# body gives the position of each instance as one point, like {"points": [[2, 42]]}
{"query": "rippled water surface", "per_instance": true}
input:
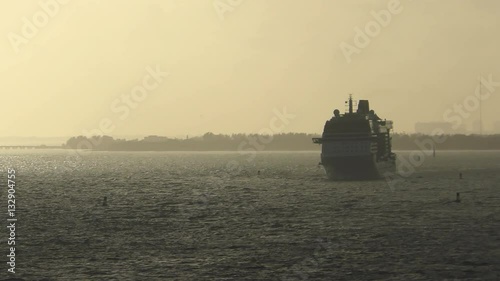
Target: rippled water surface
{"points": [[183, 216]]}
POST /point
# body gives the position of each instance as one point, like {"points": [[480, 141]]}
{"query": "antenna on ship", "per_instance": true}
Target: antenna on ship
{"points": [[350, 103]]}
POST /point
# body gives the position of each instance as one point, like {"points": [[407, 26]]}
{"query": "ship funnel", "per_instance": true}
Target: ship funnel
{"points": [[363, 107]]}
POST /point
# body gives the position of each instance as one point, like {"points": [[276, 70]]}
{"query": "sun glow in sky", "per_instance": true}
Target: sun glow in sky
{"points": [[230, 64]]}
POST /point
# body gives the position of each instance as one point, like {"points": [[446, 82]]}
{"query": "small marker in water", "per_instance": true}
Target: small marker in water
{"points": [[105, 201], [258, 172], [460, 175], [458, 197]]}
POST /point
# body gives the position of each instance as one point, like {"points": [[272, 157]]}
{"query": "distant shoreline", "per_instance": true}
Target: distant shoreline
{"points": [[250, 143], [3, 148]]}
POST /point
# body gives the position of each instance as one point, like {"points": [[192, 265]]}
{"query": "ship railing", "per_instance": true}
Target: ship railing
{"points": [[349, 135], [343, 138], [359, 132]]}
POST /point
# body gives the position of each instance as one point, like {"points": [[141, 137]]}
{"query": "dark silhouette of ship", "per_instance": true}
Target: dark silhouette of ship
{"points": [[356, 145]]}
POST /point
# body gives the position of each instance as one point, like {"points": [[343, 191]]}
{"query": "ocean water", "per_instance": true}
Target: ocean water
{"points": [[186, 216]]}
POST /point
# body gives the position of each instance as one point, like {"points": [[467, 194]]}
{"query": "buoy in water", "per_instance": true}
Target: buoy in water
{"points": [[460, 175], [458, 197], [258, 172], [105, 201]]}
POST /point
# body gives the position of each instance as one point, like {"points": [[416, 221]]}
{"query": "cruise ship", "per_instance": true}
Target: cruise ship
{"points": [[356, 145]]}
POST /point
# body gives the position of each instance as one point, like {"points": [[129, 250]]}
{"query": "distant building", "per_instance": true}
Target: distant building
{"points": [[155, 139], [428, 128]]}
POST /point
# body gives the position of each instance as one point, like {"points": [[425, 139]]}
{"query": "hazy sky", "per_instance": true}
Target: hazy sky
{"points": [[227, 76]]}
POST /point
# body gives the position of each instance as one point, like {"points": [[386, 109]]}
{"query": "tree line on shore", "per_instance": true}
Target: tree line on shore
{"points": [[278, 142]]}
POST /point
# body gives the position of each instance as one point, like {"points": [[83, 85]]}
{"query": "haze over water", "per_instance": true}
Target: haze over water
{"points": [[249, 78]]}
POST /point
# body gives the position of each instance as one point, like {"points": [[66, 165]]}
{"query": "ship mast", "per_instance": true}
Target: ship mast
{"points": [[350, 103]]}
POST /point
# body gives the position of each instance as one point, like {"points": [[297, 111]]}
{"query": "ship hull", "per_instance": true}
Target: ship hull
{"points": [[356, 145], [356, 167]]}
